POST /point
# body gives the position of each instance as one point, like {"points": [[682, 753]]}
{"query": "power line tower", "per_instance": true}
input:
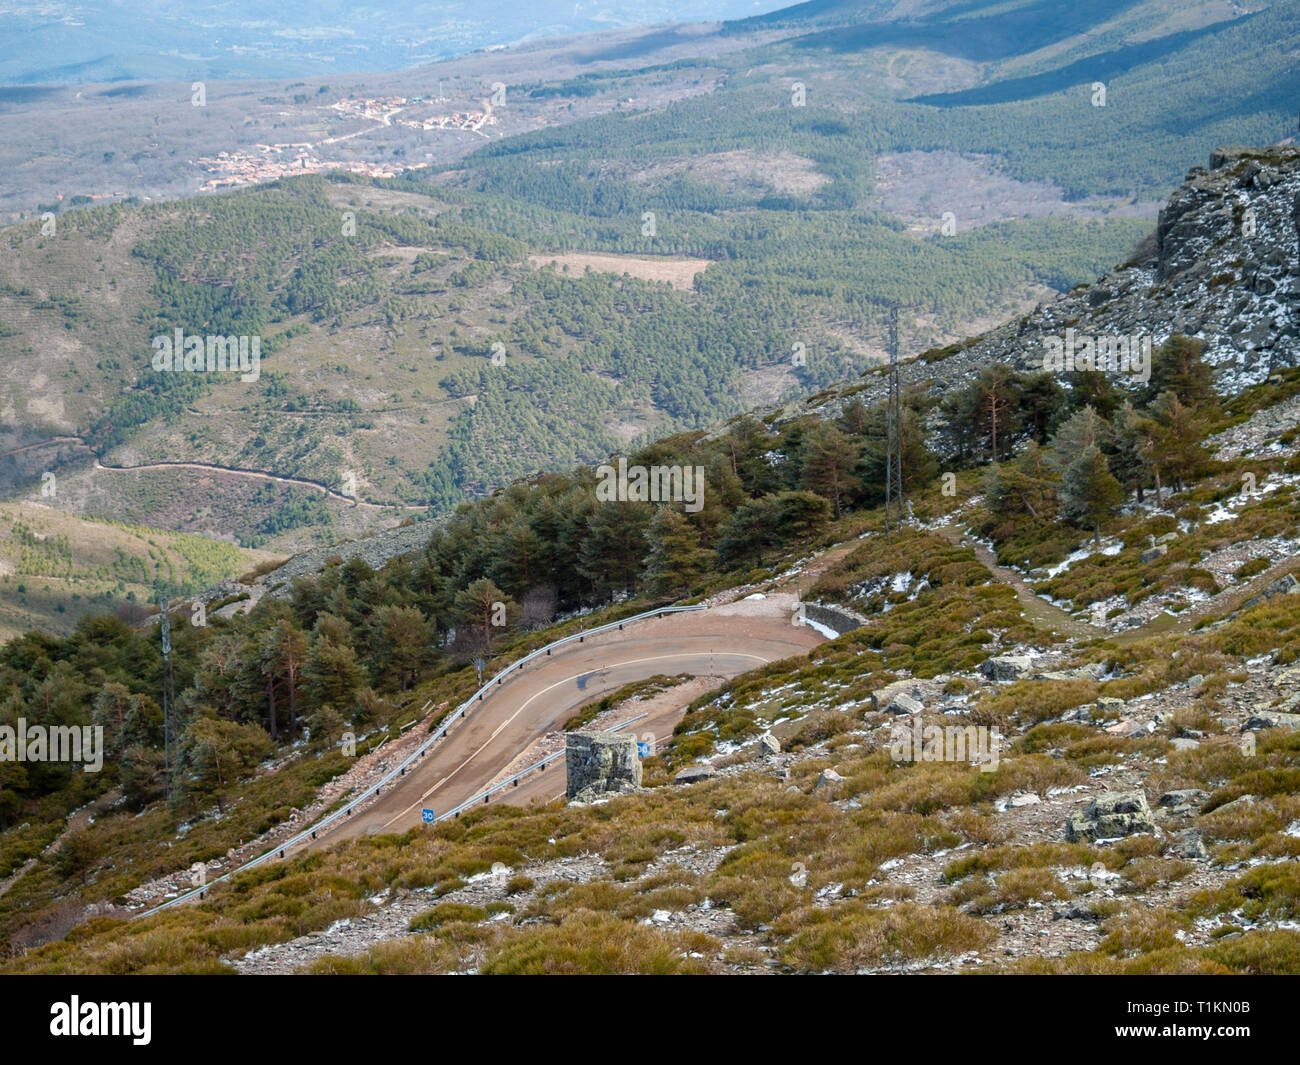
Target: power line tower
{"points": [[893, 434], [168, 694]]}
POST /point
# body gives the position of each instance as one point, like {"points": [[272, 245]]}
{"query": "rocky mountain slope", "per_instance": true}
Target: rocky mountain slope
{"points": [[1223, 266]]}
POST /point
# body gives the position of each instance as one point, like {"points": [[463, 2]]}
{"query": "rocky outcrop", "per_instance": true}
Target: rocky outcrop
{"points": [[1007, 667], [374, 551], [836, 618], [1224, 268], [828, 779], [902, 703], [693, 774], [1189, 844], [598, 765], [882, 697], [1092, 671], [1112, 815], [1238, 805], [1287, 585], [1266, 719], [1183, 800]]}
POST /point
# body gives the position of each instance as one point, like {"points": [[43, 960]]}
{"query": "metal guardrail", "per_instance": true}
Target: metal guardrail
{"points": [[400, 770]]}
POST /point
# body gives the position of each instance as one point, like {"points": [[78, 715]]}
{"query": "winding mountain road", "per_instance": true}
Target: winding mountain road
{"points": [[721, 642], [258, 475]]}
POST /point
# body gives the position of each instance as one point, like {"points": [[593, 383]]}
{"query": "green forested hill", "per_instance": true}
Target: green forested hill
{"points": [[378, 344], [419, 350]]}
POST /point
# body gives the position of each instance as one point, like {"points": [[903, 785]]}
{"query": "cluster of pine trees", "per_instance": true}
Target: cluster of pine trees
{"points": [[1085, 452]]}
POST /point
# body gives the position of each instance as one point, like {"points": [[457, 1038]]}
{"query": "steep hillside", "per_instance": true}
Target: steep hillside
{"points": [[445, 347], [1054, 733]]}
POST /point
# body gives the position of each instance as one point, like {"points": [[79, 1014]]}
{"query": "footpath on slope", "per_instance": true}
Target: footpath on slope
{"points": [[1040, 613], [1049, 617], [77, 820]]}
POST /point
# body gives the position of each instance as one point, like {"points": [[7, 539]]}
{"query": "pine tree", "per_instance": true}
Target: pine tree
{"points": [[402, 643], [614, 547], [1178, 366], [748, 443], [284, 652], [478, 607], [1042, 402], [13, 784], [996, 408], [1094, 388], [217, 753], [958, 418], [1089, 494], [1129, 462], [920, 465], [751, 532], [1179, 430], [332, 673], [519, 560], [1083, 429], [830, 457], [725, 494], [800, 515], [854, 418], [1023, 490], [676, 560]]}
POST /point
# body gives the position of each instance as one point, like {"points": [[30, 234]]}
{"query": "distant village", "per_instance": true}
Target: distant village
{"points": [[267, 162], [270, 161], [385, 109]]}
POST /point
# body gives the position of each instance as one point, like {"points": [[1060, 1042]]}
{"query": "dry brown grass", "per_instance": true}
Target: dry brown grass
{"points": [[680, 273]]}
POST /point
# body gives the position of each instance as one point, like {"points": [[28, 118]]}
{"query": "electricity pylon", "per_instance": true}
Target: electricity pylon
{"points": [[893, 433]]}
